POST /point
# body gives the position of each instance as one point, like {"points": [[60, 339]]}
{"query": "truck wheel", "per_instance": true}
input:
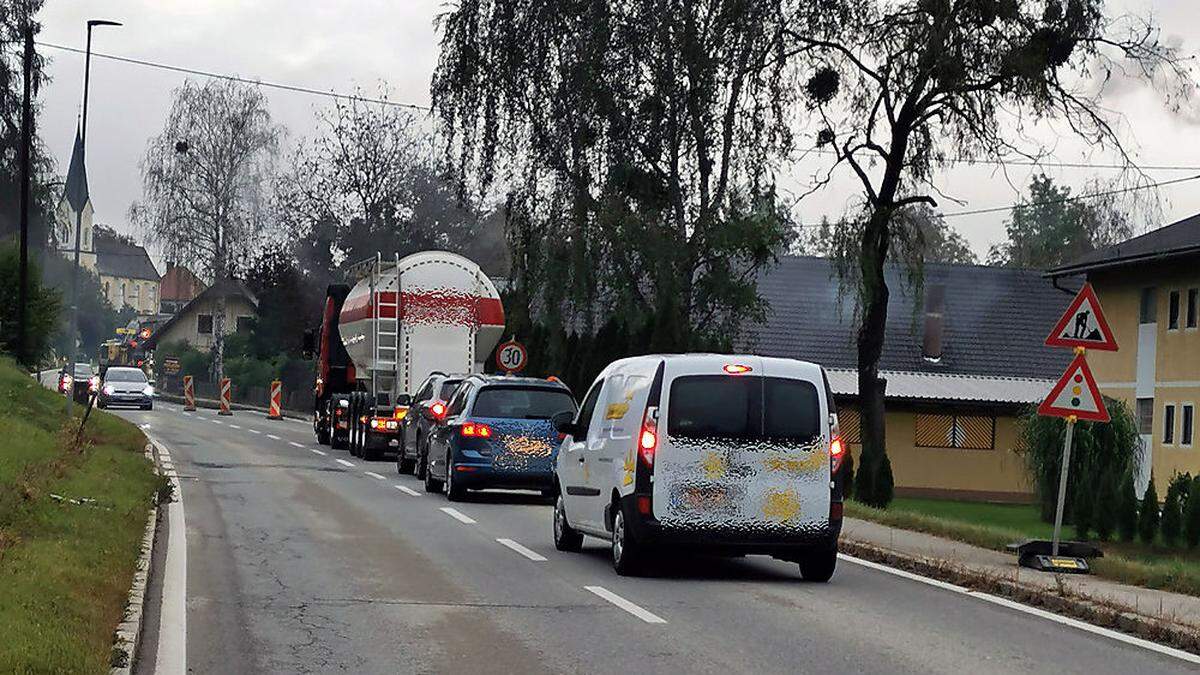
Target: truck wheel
{"points": [[628, 555], [566, 538], [454, 491], [369, 452], [322, 433], [819, 565]]}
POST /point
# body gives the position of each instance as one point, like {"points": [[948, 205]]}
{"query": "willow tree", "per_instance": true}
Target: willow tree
{"points": [[902, 86], [635, 142]]}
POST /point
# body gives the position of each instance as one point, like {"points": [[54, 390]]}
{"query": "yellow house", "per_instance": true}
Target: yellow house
{"points": [[963, 359], [1149, 289]]}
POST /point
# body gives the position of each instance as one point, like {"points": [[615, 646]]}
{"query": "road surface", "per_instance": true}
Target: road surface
{"points": [[302, 559]]}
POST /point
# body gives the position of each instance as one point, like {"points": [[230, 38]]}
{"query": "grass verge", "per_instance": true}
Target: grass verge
{"points": [[994, 526], [65, 568]]}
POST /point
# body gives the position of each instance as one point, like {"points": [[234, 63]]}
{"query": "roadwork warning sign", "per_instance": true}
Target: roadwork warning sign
{"points": [[1083, 325]]}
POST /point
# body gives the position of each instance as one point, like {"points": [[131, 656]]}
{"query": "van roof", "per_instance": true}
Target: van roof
{"points": [[707, 360]]}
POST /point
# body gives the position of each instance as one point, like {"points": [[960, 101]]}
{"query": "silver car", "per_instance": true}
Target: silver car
{"points": [[126, 386]]}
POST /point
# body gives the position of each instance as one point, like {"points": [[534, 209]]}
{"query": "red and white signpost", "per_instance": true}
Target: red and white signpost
{"points": [[226, 397], [276, 409], [189, 393], [1075, 397]]}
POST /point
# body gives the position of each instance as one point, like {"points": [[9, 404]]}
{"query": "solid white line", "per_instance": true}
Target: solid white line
{"points": [[407, 490], [295, 444], [644, 615], [234, 426], [457, 515], [372, 474], [1041, 613], [344, 462], [273, 437], [319, 452], [528, 553], [254, 431], [172, 617]]}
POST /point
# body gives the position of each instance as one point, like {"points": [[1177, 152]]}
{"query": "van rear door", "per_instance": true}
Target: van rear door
{"points": [[744, 453]]}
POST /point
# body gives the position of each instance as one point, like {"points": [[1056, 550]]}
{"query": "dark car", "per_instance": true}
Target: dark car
{"points": [[497, 434], [125, 386], [422, 415], [80, 385]]}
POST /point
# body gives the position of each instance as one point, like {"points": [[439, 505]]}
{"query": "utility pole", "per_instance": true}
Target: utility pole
{"points": [[26, 141], [71, 351]]}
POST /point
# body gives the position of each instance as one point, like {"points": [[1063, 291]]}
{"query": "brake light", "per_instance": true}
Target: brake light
{"points": [[401, 412], [736, 368], [648, 438], [476, 430], [339, 412], [438, 410], [837, 452]]}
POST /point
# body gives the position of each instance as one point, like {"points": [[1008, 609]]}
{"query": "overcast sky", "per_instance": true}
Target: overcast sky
{"points": [[329, 46]]}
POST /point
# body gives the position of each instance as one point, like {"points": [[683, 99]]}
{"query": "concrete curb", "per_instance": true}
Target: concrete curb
{"points": [[213, 404], [1100, 612], [129, 632]]}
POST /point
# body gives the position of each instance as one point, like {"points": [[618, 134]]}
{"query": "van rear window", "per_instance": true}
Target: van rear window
{"points": [[721, 406]]}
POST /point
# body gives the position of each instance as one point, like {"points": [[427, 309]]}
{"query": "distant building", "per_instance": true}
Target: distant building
{"points": [[128, 277], [1149, 289], [177, 288], [194, 322], [963, 360]]}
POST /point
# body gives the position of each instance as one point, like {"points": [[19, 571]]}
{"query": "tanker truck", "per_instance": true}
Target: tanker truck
{"points": [[380, 338]]}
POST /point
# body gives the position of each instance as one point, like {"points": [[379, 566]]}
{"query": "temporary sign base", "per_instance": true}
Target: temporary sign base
{"points": [[1057, 565], [1071, 559]]}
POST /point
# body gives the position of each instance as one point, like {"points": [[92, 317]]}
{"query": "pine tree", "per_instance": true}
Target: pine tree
{"points": [[1172, 517], [1148, 514], [864, 481], [1191, 516], [847, 472], [1081, 512], [885, 485], [1104, 508], [1127, 517]]}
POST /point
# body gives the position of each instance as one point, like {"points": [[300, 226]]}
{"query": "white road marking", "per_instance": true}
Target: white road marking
{"points": [[372, 474], [407, 490], [273, 437], [457, 515], [172, 618], [254, 431], [644, 615], [1041, 613], [234, 426], [216, 421], [186, 413], [145, 425], [528, 553], [295, 444], [344, 462], [319, 452]]}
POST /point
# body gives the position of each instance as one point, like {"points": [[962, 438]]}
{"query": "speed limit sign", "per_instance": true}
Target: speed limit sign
{"points": [[511, 356]]}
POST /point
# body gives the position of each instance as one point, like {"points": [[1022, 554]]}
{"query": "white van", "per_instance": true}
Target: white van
{"points": [[725, 454]]}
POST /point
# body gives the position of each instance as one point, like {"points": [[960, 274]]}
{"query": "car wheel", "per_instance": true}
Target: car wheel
{"points": [[627, 554], [819, 565], [148, 406], [565, 536], [322, 433], [431, 484], [101, 405], [454, 491], [420, 470], [337, 442]]}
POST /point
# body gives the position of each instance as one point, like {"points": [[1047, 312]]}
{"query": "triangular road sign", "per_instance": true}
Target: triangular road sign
{"points": [[1075, 394], [1083, 325]]}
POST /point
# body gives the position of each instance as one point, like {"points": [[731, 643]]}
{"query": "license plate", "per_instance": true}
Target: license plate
{"points": [[705, 497]]}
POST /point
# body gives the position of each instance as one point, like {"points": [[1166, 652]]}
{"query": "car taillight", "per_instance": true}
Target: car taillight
{"points": [[339, 412], [401, 412], [476, 430], [94, 383], [837, 452], [438, 410], [648, 438]]}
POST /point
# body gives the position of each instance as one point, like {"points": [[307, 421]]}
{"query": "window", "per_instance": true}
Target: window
{"points": [[850, 424], [1192, 299], [1145, 415], [720, 406], [448, 387], [243, 324], [459, 401], [531, 403], [1168, 437], [1173, 311], [425, 392], [1189, 421], [962, 432], [1149, 310], [204, 324], [588, 408]]}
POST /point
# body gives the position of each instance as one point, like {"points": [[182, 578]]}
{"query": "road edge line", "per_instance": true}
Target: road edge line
{"points": [[129, 631], [172, 616]]}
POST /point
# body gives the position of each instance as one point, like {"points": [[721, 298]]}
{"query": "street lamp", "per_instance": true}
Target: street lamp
{"points": [[87, 71]]}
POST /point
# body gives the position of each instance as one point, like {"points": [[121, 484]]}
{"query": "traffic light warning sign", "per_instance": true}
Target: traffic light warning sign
{"points": [[1076, 394]]}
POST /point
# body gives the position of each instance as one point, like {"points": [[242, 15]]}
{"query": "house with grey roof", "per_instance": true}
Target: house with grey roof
{"points": [[128, 277], [963, 359]]}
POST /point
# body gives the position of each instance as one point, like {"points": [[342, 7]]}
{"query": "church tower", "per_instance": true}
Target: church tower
{"points": [[76, 202]]}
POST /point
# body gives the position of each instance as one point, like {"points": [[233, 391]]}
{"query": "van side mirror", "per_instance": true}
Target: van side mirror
{"points": [[564, 423], [308, 343], [404, 399]]}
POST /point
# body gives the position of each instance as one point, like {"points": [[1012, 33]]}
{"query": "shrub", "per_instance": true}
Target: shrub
{"points": [[1110, 448], [1104, 507], [1148, 514], [1191, 515], [1127, 518], [1172, 515], [1081, 514], [864, 481], [885, 485], [42, 309]]}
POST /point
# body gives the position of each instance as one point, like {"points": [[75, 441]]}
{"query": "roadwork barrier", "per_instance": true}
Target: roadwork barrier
{"points": [[189, 393], [275, 411], [226, 395]]}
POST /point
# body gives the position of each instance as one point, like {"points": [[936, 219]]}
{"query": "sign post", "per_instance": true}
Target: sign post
{"points": [[1062, 485], [511, 356]]}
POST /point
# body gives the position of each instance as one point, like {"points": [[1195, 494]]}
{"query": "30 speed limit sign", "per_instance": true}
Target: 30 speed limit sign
{"points": [[511, 356]]}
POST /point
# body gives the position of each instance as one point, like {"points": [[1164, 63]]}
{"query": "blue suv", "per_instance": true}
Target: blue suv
{"points": [[497, 433]]}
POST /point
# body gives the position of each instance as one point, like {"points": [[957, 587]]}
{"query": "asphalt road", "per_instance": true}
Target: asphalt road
{"points": [[298, 562]]}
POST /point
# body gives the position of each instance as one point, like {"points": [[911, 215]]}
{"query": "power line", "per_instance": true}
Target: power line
{"points": [[1055, 164], [235, 78]]}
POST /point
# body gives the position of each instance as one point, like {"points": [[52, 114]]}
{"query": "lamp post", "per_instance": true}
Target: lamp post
{"points": [[72, 351]]}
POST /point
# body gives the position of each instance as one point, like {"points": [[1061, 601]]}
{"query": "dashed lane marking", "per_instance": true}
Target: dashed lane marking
{"points": [[372, 474], [295, 444], [254, 431], [458, 515], [234, 426], [319, 452], [528, 553], [643, 614], [407, 490], [273, 437], [344, 462], [187, 414], [216, 421]]}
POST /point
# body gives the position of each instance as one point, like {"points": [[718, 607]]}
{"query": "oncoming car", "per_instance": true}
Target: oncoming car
{"points": [[497, 433], [718, 454], [81, 385], [125, 386]]}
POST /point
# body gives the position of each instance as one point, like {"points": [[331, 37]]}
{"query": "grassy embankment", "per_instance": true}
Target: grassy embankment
{"points": [[65, 569], [996, 525]]}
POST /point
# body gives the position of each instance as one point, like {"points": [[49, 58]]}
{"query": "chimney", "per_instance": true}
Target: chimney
{"points": [[935, 308]]}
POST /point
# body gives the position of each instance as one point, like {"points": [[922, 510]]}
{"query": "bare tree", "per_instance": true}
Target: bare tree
{"points": [[203, 182], [902, 87]]}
